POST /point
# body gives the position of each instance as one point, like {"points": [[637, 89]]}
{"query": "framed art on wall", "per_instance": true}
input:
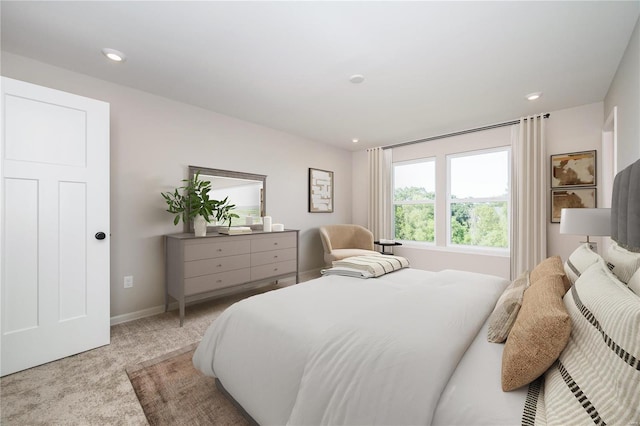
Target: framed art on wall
{"points": [[573, 169], [320, 191], [571, 198]]}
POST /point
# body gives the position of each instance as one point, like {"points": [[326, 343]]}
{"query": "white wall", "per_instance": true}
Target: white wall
{"points": [[154, 139], [568, 130], [624, 93]]}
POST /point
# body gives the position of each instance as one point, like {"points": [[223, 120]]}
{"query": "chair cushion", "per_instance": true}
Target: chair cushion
{"points": [[339, 254]]}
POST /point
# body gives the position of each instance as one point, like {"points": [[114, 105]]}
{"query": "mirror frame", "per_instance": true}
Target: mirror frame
{"points": [[231, 174]]}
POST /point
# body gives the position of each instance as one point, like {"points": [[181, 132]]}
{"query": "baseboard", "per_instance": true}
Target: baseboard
{"points": [[119, 319]]}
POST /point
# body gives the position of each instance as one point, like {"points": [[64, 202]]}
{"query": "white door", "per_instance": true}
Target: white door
{"points": [[55, 202]]}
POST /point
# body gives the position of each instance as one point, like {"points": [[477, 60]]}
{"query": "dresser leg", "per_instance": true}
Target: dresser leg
{"points": [[181, 312]]}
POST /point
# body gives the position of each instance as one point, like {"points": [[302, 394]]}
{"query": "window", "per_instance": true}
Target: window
{"points": [[414, 194], [478, 200]]}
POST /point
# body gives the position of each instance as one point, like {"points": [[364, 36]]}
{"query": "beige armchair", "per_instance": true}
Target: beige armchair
{"points": [[341, 241]]}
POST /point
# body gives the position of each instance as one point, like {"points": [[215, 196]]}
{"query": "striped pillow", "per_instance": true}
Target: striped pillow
{"points": [[579, 261], [376, 265], [622, 262], [597, 376], [634, 283]]}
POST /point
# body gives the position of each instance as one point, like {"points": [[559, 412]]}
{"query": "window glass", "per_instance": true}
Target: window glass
{"points": [[413, 200], [479, 199]]}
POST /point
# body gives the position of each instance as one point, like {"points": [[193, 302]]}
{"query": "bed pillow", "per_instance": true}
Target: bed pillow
{"points": [[634, 282], [540, 333], [579, 261], [597, 376], [374, 265], [551, 266], [622, 262], [506, 310]]}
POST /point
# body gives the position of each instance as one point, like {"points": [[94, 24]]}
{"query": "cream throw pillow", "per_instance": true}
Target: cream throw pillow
{"points": [[506, 310], [540, 333]]}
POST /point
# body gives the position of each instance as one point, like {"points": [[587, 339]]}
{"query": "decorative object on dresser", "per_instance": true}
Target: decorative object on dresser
{"points": [[216, 265], [194, 203], [589, 222], [320, 191]]}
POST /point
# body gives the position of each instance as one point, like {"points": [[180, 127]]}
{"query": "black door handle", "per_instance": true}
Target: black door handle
{"points": [[100, 236]]}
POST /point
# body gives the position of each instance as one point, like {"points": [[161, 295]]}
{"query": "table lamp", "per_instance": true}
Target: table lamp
{"points": [[589, 222]]}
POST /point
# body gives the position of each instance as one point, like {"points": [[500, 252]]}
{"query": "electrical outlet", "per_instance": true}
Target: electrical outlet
{"points": [[128, 281]]}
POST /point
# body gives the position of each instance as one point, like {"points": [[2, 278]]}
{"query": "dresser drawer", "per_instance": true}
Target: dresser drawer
{"points": [[272, 269], [273, 243], [273, 256], [206, 283], [217, 249], [213, 266]]}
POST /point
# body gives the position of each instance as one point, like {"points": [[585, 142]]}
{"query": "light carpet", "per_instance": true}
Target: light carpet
{"points": [[92, 388]]}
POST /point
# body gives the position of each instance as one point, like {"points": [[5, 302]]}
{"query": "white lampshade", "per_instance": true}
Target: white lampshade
{"points": [[585, 222]]}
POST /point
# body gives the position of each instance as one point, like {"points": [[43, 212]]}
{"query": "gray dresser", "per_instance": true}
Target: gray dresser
{"points": [[198, 267]]}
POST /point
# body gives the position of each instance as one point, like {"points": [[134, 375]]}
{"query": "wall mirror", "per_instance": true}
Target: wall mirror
{"points": [[246, 190]]}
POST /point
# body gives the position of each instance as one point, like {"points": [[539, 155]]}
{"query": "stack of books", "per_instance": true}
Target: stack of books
{"points": [[235, 230]]}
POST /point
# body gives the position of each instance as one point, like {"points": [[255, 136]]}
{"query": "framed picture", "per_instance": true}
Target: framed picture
{"points": [[320, 191], [573, 169], [571, 198]]}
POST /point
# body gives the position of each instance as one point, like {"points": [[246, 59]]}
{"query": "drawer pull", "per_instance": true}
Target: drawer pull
{"points": [[275, 244], [219, 249], [219, 266], [219, 281], [275, 269], [275, 257]]}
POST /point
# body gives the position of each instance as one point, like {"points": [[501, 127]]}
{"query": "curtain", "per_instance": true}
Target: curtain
{"points": [[528, 195], [379, 211]]}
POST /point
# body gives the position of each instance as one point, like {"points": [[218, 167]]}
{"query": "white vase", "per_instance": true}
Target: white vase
{"points": [[199, 226]]}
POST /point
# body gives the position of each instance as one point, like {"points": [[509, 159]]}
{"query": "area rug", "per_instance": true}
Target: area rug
{"points": [[172, 392]]}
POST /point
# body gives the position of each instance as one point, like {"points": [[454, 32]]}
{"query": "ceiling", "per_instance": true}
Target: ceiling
{"points": [[429, 67]]}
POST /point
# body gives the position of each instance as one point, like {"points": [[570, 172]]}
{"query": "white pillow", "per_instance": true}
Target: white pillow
{"points": [[634, 282], [622, 262], [579, 261]]}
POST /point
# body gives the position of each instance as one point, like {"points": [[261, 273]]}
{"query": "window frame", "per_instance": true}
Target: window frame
{"points": [[433, 160], [506, 198]]}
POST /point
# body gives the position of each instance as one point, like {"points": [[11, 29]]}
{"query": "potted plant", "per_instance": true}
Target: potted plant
{"points": [[192, 201]]}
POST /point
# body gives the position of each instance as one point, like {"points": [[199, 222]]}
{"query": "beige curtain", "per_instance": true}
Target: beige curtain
{"points": [[529, 195], [379, 211]]}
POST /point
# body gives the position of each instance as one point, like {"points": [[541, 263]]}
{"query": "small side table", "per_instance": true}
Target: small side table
{"points": [[384, 245]]}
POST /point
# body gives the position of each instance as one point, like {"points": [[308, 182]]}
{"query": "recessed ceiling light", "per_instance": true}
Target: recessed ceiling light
{"points": [[533, 96], [354, 140], [114, 55], [356, 78]]}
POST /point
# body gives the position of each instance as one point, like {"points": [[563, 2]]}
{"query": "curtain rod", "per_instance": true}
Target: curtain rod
{"points": [[461, 132]]}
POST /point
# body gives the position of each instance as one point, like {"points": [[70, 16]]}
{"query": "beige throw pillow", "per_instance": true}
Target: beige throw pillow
{"points": [[540, 333], [548, 267], [506, 310]]}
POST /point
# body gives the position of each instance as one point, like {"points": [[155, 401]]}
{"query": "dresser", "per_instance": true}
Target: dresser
{"points": [[198, 267]]}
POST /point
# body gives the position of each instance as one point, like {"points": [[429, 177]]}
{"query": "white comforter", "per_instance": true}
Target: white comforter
{"points": [[340, 350]]}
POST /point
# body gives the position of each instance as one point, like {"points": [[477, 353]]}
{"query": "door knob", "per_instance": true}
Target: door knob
{"points": [[100, 236]]}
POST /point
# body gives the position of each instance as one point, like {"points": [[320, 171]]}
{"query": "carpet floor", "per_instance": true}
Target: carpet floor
{"points": [[92, 388]]}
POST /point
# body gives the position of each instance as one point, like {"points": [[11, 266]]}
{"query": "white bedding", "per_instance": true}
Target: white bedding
{"points": [[341, 350]]}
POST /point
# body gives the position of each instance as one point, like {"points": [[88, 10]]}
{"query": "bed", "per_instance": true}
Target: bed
{"points": [[410, 347]]}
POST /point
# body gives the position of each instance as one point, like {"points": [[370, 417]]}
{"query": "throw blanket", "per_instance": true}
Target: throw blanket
{"points": [[368, 266], [340, 350]]}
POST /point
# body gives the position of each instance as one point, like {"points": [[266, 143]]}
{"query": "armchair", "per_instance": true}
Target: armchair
{"points": [[341, 241]]}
